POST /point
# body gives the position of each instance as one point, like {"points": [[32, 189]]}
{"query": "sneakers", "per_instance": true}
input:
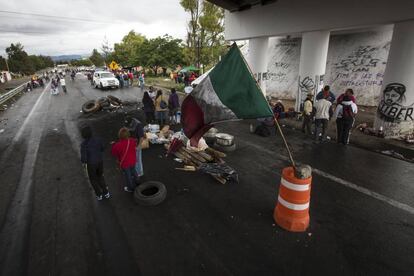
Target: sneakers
{"points": [[99, 198], [107, 195], [128, 190]]}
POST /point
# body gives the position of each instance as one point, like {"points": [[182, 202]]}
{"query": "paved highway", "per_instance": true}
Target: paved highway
{"points": [[362, 205]]}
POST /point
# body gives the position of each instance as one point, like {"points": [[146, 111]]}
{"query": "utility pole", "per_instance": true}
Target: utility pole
{"points": [[7, 65]]}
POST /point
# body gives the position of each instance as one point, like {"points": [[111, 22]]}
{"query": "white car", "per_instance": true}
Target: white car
{"points": [[103, 79]]}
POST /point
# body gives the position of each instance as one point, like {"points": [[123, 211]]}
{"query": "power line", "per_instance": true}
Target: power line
{"points": [[57, 17]]}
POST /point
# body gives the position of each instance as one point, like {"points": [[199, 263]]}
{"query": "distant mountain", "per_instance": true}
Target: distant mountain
{"points": [[66, 57]]}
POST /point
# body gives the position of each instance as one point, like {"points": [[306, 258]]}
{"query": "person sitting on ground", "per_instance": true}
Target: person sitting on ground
{"points": [[267, 127], [160, 108], [91, 157], [308, 114], [322, 116], [125, 151], [149, 108], [350, 93], [173, 106], [327, 94], [137, 131], [278, 109], [345, 117]]}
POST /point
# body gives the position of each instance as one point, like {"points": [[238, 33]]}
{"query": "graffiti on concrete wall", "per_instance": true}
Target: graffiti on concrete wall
{"points": [[358, 61], [283, 67], [391, 108]]}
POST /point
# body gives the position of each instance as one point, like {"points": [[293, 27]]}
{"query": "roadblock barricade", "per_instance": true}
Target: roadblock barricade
{"points": [[292, 208]]}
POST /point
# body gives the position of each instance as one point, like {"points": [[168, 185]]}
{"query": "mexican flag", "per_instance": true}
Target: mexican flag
{"points": [[228, 92]]}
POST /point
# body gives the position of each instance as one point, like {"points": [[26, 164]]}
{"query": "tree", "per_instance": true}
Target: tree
{"points": [[96, 58], [125, 52], [19, 61], [82, 62], [160, 52], [106, 51], [205, 39], [3, 64]]}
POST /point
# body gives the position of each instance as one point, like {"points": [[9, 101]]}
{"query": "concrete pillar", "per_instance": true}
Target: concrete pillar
{"points": [[313, 55], [395, 110], [257, 60]]}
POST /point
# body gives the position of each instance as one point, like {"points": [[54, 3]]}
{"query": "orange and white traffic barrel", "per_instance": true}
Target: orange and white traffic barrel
{"points": [[292, 208]]}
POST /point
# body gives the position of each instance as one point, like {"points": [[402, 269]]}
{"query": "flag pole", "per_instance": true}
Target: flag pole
{"points": [[274, 117]]}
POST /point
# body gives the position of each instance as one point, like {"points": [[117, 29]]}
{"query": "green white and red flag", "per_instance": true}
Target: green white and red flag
{"points": [[228, 92]]}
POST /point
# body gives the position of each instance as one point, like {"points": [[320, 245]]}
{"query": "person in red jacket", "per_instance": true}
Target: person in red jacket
{"points": [[125, 151]]}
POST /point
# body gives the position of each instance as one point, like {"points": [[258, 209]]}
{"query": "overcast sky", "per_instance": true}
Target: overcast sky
{"points": [[95, 20]]}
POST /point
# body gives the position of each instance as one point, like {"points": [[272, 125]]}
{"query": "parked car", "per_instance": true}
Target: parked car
{"points": [[103, 79]]}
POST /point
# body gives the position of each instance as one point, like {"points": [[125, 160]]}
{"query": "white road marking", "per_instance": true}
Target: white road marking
{"points": [[14, 234], [365, 191], [28, 118]]}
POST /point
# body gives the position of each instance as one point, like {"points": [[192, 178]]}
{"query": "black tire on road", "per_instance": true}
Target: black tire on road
{"points": [[114, 100], [150, 193], [90, 106], [224, 148], [103, 101]]}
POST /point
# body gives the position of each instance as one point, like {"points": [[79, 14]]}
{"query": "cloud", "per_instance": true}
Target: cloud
{"points": [[93, 20]]}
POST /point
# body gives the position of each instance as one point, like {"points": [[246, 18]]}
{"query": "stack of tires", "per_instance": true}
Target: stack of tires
{"points": [[104, 103], [224, 142]]}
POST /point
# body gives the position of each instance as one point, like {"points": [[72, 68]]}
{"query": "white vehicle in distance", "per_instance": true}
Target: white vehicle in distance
{"points": [[103, 79]]}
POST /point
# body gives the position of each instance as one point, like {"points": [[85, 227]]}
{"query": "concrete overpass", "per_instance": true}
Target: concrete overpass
{"points": [[315, 21]]}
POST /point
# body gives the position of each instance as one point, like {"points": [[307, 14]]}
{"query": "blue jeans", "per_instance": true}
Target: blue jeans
{"points": [[138, 165], [131, 177], [161, 116]]}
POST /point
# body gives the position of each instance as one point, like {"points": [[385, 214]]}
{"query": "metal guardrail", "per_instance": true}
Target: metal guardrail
{"points": [[7, 96]]}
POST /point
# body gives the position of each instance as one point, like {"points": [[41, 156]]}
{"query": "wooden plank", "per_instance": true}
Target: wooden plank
{"points": [[195, 155], [206, 156], [216, 153]]}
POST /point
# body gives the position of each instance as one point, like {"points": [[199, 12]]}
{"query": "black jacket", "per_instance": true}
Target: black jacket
{"points": [[91, 151]]}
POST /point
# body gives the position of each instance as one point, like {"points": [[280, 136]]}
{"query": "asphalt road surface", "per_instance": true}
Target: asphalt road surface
{"points": [[362, 209]]}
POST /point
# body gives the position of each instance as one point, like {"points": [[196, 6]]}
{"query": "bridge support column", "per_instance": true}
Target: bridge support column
{"points": [[395, 111], [313, 55], [257, 59]]}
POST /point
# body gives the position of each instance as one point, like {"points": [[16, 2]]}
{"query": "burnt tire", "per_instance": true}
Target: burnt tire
{"points": [[114, 100], [103, 102], [224, 148], [150, 193], [90, 106]]}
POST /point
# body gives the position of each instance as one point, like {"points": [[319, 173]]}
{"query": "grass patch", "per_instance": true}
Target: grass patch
{"points": [[164, 82]]}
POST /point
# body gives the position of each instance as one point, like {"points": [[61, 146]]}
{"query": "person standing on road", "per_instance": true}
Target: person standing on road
{"points": [[327, 94], [173, 106], [345, 117], [160, 108], [149, 108], [307, 114], [91, 158], [137, 130], [152, 93], [131, 78], [142, 82], [126, 79], [350, 93], [63, 84], [322, 118], [125, 151]]}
